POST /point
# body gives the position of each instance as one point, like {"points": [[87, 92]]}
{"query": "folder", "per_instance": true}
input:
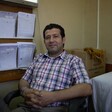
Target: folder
{"points": [[8, 54], [7, 24], [26, 52], [26, 24], [7, 27], [8, 14]]}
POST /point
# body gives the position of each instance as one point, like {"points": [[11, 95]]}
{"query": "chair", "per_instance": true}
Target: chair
{"points": [[76, 105]]}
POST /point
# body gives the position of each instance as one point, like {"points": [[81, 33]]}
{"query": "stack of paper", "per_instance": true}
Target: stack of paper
{"points": [[26, 24], [16, 55], [8, 54], [25, 53], [7, 24]]}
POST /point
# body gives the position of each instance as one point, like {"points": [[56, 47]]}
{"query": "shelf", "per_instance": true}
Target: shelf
{"points": [[10, 75], [17, 38], [14, 40]]}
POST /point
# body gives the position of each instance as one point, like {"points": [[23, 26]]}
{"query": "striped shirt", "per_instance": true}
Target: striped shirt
{"points": [[51, 74]]}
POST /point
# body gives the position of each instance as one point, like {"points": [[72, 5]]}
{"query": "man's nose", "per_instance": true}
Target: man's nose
{"points": [[51, 39]]}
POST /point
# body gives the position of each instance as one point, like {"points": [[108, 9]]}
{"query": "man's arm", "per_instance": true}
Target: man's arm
{"points": [[23, 84], [28, 93], [78, 90]]}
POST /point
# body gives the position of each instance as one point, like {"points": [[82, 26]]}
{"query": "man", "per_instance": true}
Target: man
{"points": [[53, 78]]}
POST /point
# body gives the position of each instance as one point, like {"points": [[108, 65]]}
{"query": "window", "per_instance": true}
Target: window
{"points": [[32, 3]]}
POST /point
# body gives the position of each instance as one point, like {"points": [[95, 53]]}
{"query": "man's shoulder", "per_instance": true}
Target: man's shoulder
{"points": [[38, 56], [72, 56]]}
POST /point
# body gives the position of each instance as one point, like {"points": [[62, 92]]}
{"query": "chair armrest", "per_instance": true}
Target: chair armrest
{"points": [[11, 95], [78, 104]]}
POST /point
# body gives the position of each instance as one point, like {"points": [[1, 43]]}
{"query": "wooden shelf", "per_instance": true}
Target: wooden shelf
{"points": [[14, 40], [10, 75], [11, 7]]}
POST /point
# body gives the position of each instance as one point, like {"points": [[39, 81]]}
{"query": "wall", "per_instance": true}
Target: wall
{"points": [[78, 17], [105, 32], [89, 33], [80, 20], [37, 36]]}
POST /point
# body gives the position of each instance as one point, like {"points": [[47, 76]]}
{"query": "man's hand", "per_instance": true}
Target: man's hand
{"points": [[38, 98], [30, 97], [44, 98]]}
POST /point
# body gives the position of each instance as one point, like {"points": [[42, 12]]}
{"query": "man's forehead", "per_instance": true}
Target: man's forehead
{"points": [[52, 31]]}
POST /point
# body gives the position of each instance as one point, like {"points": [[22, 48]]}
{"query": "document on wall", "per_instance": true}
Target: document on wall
{"points": [[26, 52], [8, 53], [8, 14], [7, 24], [26, 24]]}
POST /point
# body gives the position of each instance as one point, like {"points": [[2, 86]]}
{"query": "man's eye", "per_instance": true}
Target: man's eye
{"points": [[47, 37], [56, 36]]}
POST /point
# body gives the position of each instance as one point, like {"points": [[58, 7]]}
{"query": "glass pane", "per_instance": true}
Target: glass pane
{"points": [[34, 1]]}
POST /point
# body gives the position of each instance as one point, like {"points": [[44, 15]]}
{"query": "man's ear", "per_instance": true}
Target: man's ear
{"points": [[64, 39]]}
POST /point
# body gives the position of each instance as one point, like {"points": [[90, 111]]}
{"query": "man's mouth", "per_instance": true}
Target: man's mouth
{"points": [[51, 45]]}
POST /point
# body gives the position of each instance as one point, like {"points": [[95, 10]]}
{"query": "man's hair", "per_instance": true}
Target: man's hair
{"points": [[53, 25]]}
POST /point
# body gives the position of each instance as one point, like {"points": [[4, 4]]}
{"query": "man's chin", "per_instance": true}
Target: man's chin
{"points": [[52, 51]]}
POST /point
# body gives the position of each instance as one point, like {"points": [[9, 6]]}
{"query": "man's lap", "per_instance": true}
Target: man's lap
{"points": [[46, 109], [4, 108]]}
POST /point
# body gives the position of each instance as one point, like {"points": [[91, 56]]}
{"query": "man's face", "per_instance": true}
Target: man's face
{"points": [[53, 41]]}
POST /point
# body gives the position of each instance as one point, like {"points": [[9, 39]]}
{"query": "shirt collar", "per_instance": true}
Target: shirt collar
{"points": [[62, 55]]}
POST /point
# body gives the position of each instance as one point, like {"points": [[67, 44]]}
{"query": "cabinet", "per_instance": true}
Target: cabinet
{"points": [[9, 75]]}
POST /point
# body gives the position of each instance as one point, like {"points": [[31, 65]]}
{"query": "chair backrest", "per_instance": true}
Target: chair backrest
{"points": [[3, 106], [11, 95]]}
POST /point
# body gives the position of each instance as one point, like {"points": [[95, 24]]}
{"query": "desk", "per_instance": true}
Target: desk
{"points": [[102, 92]]}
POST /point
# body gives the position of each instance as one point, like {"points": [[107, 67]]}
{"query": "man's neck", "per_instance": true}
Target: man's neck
{"points": [[54, 55]]}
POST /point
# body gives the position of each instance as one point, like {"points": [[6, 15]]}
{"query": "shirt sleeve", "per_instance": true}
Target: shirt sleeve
{"points": [[79, 72], [28, 74]]}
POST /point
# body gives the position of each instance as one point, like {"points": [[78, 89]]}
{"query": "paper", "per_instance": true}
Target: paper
{"points": [[8, 54], [16, 55], [7, 27], [26, 24], [8, 14], [25, 53], [7, 24]]}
